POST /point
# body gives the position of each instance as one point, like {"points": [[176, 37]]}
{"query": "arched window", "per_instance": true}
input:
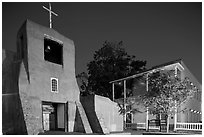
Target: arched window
{"points": [[54, 85]]}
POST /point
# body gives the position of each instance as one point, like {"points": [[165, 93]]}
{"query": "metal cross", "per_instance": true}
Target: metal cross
{"points": [[50, 12]]}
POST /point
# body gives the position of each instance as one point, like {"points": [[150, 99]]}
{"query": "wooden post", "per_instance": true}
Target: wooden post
{"points": [[160, 118], [167, 127], [147, 83], [125, 104], [113, 88], [147, 118], [147, 113], [132, 119], [175, 117]]}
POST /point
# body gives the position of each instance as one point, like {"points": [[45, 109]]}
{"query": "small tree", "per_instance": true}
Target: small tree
{"points": [[166, 92]]}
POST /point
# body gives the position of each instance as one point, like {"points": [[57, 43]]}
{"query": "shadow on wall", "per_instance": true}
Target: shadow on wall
{"points": [[78, 124], [13, 120], [12, 112], [89, 107]]}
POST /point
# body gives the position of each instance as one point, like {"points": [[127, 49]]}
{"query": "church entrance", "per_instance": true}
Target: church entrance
{"points": [[53, 116]]}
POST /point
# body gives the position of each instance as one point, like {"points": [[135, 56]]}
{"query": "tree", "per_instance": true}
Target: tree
{"points": [[82, 80], [166, 92], [109, 63]]}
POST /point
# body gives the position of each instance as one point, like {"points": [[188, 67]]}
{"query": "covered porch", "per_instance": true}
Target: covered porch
{"points": [[132, 87]]}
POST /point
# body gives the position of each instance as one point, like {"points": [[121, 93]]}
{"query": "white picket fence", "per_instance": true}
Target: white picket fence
{"points": [[189, 126], [179, 126]]}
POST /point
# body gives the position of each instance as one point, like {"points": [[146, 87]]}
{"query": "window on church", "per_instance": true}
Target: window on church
{"points": [[54, 85], [53, 51]]}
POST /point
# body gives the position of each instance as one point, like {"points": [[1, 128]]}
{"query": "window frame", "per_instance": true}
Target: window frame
{"points": [[51, 85]]}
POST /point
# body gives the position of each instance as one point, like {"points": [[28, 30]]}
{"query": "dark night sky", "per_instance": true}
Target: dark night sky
{"points": [[156, 32]]}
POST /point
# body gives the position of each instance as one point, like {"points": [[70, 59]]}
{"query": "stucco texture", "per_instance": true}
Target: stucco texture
{"points": [[27, 79], [103, 114]]}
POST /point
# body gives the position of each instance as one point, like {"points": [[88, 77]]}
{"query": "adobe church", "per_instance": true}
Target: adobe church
{"points": [[40, 91]]}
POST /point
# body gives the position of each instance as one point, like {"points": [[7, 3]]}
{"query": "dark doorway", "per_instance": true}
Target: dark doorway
{"points": [[53, 116], [128, 118]]}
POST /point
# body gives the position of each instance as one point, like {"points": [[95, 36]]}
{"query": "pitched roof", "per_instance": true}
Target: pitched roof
{"points": [[149, 70], [166, 64]]}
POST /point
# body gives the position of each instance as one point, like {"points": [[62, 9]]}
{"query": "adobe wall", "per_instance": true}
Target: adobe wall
{"points": [[40, 71], [12, 114], [89, 107], [34, 79], [29, 80], [109, 110], [102, 113]]}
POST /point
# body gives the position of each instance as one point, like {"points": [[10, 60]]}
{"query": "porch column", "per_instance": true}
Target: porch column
{"points": [[113, 88], [175, 117], [124, 103], [147, 113], [132, 118], [147, 117]]}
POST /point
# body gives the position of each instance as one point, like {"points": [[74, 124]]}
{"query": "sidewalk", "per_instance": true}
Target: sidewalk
{"points": [[172, 133], [143, 132], [126, 132], [65, 133]]}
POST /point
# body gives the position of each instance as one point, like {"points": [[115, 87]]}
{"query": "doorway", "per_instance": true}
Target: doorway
{"points": [[129, 118], [53, 116]]}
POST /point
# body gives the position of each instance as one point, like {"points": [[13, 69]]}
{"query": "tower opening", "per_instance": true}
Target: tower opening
{"points": [[53, 51]]}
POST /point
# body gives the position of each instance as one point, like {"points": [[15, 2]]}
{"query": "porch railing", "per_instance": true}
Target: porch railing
{"points": [[189, 126], [179, 126], [140, 126], [135, 126], [154, 124], [131, 125]]}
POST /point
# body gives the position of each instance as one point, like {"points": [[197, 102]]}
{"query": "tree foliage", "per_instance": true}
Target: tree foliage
{"points": [[82, 80], [166, 92], [109, 63]]}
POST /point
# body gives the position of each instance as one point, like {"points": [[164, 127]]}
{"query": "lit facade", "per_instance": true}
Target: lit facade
{"points": [[188, 112]]}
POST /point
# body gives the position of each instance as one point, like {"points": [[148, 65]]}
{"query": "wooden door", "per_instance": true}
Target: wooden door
{"points": [[46, 121]]}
